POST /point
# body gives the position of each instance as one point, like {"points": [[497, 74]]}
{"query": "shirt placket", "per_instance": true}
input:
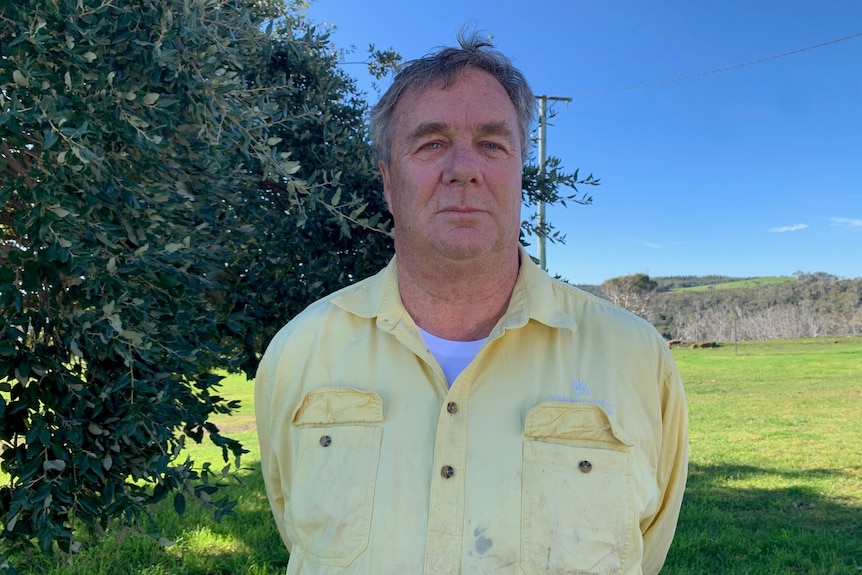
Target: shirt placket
{"points": [[448, 486]]}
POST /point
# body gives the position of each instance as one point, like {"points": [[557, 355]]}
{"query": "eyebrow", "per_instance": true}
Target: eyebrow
{"points": [[426, 129], [496, 128]]}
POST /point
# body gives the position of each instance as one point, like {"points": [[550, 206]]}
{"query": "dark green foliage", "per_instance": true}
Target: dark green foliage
{"points": [[129, 138], [337, 232]]}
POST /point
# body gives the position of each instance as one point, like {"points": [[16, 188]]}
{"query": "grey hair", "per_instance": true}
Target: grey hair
{"points": [[445, 66]]}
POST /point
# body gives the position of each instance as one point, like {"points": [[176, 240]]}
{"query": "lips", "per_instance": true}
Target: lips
{"points": [[461, 210]]}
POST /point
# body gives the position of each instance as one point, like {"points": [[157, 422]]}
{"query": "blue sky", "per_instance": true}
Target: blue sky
{"points": [[754, 171]]}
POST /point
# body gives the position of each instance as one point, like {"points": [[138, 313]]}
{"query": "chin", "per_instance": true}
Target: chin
{"points": [[463, 251]]}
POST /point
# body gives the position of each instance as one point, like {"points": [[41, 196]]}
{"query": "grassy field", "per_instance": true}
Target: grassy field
{"points": [[775, 479], [749, 283]]}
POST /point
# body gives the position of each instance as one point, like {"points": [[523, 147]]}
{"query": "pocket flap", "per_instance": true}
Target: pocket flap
{"points": [[335, 405], [575, 421]]}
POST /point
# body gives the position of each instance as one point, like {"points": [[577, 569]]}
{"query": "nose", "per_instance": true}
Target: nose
{"points": [[463, 166]]}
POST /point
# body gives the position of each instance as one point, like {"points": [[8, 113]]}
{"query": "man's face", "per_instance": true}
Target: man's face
{"points": [[453, 182]]}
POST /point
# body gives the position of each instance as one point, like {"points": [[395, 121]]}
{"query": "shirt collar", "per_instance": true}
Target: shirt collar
{"points": [[376, 297], [533, 298]]}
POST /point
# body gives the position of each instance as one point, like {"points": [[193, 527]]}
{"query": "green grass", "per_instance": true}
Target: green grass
{"points": [[193, 543], [749, 283], [775, 481]]}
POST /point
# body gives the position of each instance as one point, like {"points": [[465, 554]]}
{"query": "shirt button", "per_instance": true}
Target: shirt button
{"points": [[452, 407], [447, 471], [585, 466], [325, 441]]}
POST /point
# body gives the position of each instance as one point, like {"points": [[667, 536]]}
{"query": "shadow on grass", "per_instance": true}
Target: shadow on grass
{"points": [[246, 542], [785, 525]]}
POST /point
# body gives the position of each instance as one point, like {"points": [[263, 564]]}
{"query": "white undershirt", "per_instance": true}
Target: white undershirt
{"points": [[453, 356]]}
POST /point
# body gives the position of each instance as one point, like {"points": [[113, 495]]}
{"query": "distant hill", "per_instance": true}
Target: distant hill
{"points": [[671, 283], [722, 308], [734, 283], [687, 282]]}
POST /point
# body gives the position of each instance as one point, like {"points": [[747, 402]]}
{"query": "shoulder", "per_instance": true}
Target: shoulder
{"points": [[573, 299], [601, 318], [321, 315], [631, 339]]}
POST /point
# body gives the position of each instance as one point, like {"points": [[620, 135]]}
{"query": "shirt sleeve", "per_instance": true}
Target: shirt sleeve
{"points": [[671, 473], [270, 442]]}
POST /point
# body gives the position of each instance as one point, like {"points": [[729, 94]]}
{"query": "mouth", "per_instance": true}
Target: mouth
{"points": [[461, 210]]}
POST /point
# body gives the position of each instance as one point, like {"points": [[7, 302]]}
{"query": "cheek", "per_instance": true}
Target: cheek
{"points": [[412, 192], [510, 190], [400, 207]]}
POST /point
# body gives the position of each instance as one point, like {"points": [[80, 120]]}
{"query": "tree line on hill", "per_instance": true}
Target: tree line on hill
{"points": [[806, 305]]}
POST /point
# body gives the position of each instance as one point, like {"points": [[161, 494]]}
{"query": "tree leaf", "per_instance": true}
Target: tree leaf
{"points": [[179, 503], [54, 465], [59, 211], [19, 78], [50, 139]]}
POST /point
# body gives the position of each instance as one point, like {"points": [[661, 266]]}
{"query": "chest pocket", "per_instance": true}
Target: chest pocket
{"points": [[577, 491], [338, 432]]}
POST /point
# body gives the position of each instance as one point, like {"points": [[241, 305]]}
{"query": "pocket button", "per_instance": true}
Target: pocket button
{"points": [[325, 441], [585, 466]]}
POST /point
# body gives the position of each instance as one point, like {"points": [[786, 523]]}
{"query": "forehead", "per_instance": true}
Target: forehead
{"points": [[472, 96]]}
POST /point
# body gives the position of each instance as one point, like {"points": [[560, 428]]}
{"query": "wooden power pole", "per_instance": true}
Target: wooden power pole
{"points": [[543, 139]]}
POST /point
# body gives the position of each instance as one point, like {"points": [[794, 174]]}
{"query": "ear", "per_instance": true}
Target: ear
{"points": [[387, 184]]}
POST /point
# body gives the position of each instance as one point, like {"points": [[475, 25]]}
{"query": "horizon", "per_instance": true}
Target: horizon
{"points": [[724, 278]]}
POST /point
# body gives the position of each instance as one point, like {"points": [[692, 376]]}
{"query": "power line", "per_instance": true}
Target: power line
{"points": [[718, 70]]}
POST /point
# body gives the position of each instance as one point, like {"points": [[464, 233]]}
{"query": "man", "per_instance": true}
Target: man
{"points": [[462, 412]]}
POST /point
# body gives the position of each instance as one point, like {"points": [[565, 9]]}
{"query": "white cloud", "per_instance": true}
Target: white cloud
{"points": [[847, 223], [651, 245], [795, 228]]}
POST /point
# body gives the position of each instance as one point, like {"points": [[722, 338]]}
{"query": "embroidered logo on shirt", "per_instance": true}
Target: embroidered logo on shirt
{"points": [[581, 393], [580, 388]]}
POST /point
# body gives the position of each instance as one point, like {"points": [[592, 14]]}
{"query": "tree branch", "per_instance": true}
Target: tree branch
{"points": [[16, 167]]}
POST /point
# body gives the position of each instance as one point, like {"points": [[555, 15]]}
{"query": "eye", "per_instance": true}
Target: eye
{"points": [[429, 147], [492, 146]]}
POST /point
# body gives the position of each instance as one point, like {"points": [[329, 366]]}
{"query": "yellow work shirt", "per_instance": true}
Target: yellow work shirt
{"points": [[561, 448]]}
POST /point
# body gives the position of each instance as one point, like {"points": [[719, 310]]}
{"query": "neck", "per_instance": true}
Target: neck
{"points": [[458, 300]]}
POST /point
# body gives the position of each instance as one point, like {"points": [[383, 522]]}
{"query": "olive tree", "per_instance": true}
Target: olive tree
{"points": [[131, 137], [337, 231]]}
